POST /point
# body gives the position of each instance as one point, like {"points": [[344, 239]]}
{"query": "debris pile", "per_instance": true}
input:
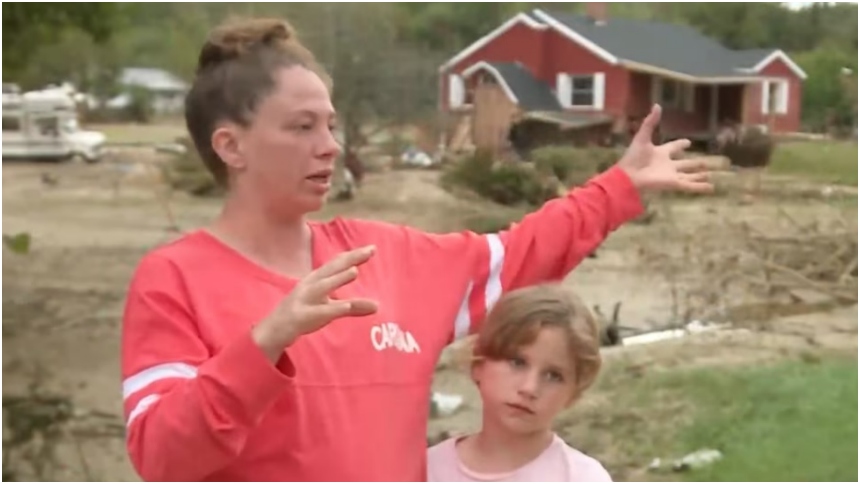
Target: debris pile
{"points": [[812, 258], [732, 271], [36, 428]]}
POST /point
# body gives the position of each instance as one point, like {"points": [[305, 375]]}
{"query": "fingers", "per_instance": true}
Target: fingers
{"points": [[342, 262], [339, 309], [695, 182], [693, 165], [676, 146], [646, 131], [362, 307], [702, 176], [324, 287]]}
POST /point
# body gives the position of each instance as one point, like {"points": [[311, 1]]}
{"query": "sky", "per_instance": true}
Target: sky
{"points": [[799, 5]]}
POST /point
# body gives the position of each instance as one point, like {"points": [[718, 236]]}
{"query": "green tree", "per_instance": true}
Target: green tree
{"points": [[826, 98], [28, 26]]}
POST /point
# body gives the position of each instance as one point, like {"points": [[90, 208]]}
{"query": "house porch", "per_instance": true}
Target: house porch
{"points": [[694, 111]]}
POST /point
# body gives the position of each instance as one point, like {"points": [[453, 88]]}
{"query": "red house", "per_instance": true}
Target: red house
{"points": [[603, 74]]}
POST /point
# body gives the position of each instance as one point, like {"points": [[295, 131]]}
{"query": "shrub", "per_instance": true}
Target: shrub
{"points": [[574, 166], [505, 183], [186, 172], [489, 224], [746, 146]]}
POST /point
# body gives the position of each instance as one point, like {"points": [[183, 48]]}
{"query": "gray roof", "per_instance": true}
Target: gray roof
{"points": [[532, 94], [567, 119], [677, 48]]}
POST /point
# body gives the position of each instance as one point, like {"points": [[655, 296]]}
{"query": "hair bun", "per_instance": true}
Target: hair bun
{"points": [[236, 37]]}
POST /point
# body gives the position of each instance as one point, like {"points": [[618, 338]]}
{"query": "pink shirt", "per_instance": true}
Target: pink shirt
{"points": [[347, 402], [558, 463]]}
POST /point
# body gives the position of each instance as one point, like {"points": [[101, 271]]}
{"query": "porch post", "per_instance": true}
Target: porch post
{"points": [[715, 102]]}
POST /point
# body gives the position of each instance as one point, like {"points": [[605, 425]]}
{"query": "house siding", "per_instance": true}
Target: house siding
{"points": [[627, 94], [782, 123], [520, 44], [563, 55]]}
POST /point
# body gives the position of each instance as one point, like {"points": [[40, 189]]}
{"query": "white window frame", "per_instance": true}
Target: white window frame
{"points": [[780, 104], [456, 91], [565, 91]]}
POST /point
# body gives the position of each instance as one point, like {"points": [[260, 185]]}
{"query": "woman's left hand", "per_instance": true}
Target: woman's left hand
{"points": [[651, 167]]}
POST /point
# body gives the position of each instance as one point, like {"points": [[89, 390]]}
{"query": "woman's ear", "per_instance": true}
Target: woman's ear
{"points": [[226, 144]]}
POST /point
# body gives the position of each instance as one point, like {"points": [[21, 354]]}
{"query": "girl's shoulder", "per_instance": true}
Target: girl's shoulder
{"points": [[582, 467], [443, 464], [447, 447]]}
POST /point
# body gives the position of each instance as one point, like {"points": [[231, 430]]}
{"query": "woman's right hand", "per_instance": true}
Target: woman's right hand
{"points": [[310, 306]]}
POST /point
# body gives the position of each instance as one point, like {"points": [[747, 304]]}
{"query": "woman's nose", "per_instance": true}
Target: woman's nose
{"points": [[330, 146]]}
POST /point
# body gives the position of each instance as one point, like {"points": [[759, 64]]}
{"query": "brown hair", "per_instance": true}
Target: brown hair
{"points": [[235, 70], [519, 315]]}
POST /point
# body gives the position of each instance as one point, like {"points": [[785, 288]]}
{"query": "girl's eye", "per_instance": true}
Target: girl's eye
{"points": [[554, 376], [517, 362]]}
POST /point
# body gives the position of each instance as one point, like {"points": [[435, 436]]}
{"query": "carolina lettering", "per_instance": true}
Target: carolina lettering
{"points": [[389, 335]]}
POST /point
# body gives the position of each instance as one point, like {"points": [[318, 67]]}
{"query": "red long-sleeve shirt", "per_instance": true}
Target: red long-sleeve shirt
{"points": [[350, 401]]}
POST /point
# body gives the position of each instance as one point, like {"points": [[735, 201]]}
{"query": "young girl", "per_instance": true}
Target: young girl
{"points": [[536, 354]]}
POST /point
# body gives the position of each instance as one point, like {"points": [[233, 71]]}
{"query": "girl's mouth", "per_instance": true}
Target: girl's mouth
{"points": [[521, 408]]}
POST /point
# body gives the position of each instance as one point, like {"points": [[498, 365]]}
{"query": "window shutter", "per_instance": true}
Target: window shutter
{"points": [[689, 91], [599, 90], [765, 97], [456, 90], [782, 101], [564, 89]]}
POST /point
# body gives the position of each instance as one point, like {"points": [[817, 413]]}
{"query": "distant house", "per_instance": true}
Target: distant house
{"points": [[598, 77], [167, 90]]}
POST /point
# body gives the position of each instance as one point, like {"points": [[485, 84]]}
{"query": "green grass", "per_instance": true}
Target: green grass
{"points": [[159, 132], [819, 161], [794, 421]]}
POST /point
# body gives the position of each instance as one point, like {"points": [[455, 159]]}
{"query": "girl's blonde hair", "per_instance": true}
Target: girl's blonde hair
{"points": [[519, 315]]}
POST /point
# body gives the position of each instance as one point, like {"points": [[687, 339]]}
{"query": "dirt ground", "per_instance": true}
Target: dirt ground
{"points": [[90, 224]]}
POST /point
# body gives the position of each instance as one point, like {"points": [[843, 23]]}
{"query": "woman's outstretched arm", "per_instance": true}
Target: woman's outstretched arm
{"points": [[461, 275]]}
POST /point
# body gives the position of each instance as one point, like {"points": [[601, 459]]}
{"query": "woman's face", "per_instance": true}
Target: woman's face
{"points": [[286, 156]]}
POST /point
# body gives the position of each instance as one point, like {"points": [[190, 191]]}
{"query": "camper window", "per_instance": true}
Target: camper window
{"points": [[48, 126], [11, 123]]}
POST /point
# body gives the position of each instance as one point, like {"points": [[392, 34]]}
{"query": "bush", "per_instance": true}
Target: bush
{"points": [[505, 183], [746, 146], [574, 166], [187, 173], [489, 224]]}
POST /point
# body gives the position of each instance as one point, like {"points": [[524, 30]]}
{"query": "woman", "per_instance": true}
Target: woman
{"points": [[269, 347]]}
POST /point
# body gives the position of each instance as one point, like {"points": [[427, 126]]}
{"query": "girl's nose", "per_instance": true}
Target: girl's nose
{"points": [[529, 385]]}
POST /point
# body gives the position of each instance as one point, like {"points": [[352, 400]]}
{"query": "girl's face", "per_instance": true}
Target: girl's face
{"points": [[523, 394]]}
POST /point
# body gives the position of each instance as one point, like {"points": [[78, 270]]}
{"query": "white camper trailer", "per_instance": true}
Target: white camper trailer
{"points": [[43, 125]]}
